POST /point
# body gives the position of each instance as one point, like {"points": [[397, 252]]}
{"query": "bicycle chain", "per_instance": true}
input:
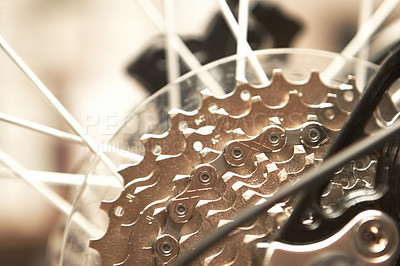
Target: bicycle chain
{"points": [[230, 153]]}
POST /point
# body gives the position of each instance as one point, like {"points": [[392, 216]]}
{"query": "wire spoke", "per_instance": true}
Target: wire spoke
{"points": [[362, 36], [369, 27], [366, 8], [103, 147], [40, 128], [179, 46], [65, 179], [58, 107], [233, 25], [384, 40], [172, 59], [52, 197], [243, 25]]}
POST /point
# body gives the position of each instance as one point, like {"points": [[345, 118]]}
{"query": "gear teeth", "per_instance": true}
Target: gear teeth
{"points": [[227, 256], [233, 252], [155, 184], [310, 159], [215, 140], [209, 155], [244, 116], [187, 241], [274, 176], [167, 144], [297, 162], [262, 158], [225, 125], [334, 193], [284, 155], [295, 113], [277, 92], [143, 168], [355, 183], [192, 227], [256, 177], [314, 91], [117, 251], [345, 177], [366, 174], [348, 95], [215, 216], [331, 116], [245, 123], [106, 206], [238, 134], [235, 103], [143, 233], [196, 119]]}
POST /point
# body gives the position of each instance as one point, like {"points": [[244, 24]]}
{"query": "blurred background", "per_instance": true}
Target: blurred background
{"points": [[102, 59]]}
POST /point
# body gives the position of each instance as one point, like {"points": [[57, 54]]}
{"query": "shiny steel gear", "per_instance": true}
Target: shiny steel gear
{"points": [[230, 153]]}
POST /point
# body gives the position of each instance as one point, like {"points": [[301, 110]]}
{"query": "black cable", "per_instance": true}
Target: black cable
{"points": [[315, 177], [338, 156], [372, 95], [352, 130]]}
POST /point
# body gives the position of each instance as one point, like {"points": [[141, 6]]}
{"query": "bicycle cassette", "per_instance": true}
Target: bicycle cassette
{"points": [[230, 153]]}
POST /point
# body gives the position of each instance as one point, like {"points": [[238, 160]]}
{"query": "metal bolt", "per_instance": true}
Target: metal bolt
{"points": [[373, 238], [181, 209], [205, 177], [274, 138], [166, 248], [237, 153], [313, 135]]}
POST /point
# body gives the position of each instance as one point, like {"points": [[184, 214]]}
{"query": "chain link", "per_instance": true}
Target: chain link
{"points": [[230, 153]]}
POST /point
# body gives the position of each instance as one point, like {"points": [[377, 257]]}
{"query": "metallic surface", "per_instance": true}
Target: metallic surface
{"points": [[370, 238], [230, 153]]}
